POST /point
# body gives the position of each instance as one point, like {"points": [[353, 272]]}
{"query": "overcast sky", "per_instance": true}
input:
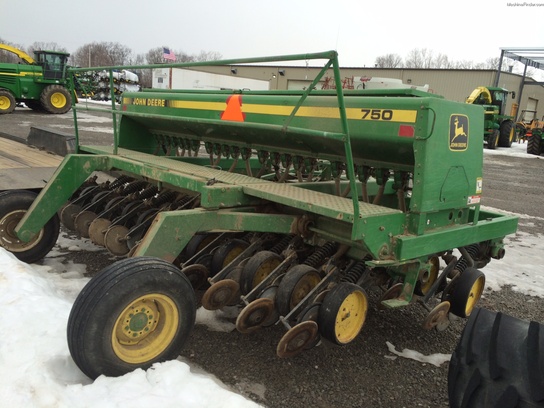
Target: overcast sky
{"points": [[472, 30]]}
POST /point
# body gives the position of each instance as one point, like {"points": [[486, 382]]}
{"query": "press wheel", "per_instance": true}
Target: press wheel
{"points": [[294, 287], [97, 230], [226, 253], [254, 315], [68, 215], [467, 291], [258, 267], [270, 293], [220, 294], [297, 339], [343, 313], [115, 240], [197, 275], [438, 317]]}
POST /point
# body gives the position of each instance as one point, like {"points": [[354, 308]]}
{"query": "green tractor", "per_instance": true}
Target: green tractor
{"points": [[499, 128], [40, 82]]}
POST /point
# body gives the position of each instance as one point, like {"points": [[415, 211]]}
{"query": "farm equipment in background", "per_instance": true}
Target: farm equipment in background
{"points": [[96, 85], [530, 129], [292, 205], [40, 82], [499, 128]]}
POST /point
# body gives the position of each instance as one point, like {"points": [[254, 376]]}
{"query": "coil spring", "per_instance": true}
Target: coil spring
{"points": [[317, 258], [282, 244], [164, 197], [473, 250], [118, 182], [148, 192], [133, 187], [355, 272]]}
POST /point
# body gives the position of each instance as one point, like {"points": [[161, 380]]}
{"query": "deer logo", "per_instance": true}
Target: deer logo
{"points": [[458, 139]]}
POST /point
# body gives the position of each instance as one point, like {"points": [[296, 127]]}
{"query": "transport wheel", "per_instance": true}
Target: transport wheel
{"points": [[427, 280], [56, 99], [294, 287], [534, 144], [466, 292], [220, 294], [226, 253], [297, 339], [135, 312], [507, 132], [343, 313], [253, 316], [498, 362], [7, 102], [257, 268], [13, 206]]}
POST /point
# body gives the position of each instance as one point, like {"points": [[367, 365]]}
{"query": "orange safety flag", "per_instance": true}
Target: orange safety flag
{"points": [[233, 111]]}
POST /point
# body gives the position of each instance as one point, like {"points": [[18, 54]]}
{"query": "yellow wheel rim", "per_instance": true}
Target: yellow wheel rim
{"points": [[429, 279], [264, 270], [351, 317], [232, 254], [58, 100], [5, 103], [9, 239], [145, 328], [475, 294]]}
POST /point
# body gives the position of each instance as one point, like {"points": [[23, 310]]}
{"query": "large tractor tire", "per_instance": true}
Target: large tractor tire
{"points": [[13, 206], [56, 99], [7, 102], [493, 140], [498, 363], [132, 314], [507, 133], [534, 143]]}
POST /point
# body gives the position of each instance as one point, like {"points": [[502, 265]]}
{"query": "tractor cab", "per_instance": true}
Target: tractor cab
{"points": [[53, 63]]}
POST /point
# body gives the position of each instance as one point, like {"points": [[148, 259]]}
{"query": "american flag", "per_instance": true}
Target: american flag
{"points": [[167, 54]]}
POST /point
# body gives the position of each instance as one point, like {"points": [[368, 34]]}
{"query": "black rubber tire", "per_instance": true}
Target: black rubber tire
{"points": [[253, 269], [507, 133], [534, 144], [465, 289], [8, 103], [493, 140], [498, 363], [289, 287], [226, 253], [332, 308], [52, 96], [102, 301], [21, 200]]}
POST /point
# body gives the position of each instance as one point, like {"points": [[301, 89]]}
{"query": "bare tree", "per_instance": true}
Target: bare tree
{"points": [[389, 61], [208, 56], [101, 54], [46, 46], [9, 57]]}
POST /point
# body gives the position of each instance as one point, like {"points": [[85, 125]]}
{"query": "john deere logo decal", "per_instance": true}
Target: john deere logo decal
{"points": [[458, 133]]}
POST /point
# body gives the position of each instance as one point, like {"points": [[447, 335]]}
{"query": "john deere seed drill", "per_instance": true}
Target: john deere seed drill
{"points": [[292, 205]]}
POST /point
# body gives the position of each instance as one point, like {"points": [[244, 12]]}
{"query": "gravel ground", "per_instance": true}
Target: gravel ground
{"points": [[363, 373]]}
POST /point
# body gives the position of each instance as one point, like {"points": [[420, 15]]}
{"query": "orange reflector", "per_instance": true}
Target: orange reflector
{"points": [[406, 131]]}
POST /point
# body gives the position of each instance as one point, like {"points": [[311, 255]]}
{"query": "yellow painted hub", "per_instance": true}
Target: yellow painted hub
{"points": [[475, 294], [145, 328], [58, 100], [5, 103], [351, 317], [264, 270], [8, 237]]}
